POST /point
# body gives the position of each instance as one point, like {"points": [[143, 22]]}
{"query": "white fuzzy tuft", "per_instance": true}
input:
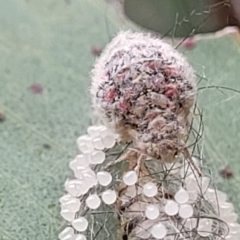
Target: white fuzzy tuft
{"points": [[143, 89]]}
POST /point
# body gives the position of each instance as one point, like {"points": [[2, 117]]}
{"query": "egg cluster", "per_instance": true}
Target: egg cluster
{"points": [[193, 210], [92, 146], [190, 209]]}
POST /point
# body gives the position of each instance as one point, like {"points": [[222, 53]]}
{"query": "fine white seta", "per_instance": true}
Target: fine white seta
{"points": [[134, 178]]}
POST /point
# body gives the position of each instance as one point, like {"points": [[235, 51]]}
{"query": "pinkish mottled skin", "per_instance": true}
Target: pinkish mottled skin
{"points": [[36, 88], [143, 85]]}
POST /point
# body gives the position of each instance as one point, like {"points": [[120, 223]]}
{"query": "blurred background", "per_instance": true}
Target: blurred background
{"points": [[47, 50]]}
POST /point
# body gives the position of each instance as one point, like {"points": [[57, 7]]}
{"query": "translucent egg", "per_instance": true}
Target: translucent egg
{"points": [[216, 195], [185, 211], [78, 173], [192, 184], [171, 208], [89, 178], [130, 178], [109, 197], [234, 227], [192, 196], [93, 201], [181, 196], [81, 161], [152, 212], [104, 131], [98, 143], [93, 131], [108, 141], [159, 231], [72, 187], [225, 208], [72, 205], [150, 189], [69, 237], [80, 237], [65, 198], [205, 227], [97, 157], [68, 231], [80, 224], [85, 143], [104, 178], [67, 214]]}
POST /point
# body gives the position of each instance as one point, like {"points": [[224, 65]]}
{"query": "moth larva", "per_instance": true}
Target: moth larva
{"points": [[144, 90]]}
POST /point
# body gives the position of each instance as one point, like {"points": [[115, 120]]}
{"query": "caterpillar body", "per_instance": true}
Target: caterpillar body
{"points": [[144, 89]]}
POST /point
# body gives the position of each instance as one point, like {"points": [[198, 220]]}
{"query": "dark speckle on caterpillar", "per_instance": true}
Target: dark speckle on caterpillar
{"points": [[143, 89]]}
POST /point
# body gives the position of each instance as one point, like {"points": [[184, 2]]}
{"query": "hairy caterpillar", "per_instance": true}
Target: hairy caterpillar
{"points": [[144, 89]]}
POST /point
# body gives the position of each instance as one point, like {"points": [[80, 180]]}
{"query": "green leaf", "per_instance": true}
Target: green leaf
{"points": [[179, 18], [49, 42]]}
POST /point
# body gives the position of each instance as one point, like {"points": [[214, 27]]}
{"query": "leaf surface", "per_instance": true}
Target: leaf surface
{"points": [[49, 43]]}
